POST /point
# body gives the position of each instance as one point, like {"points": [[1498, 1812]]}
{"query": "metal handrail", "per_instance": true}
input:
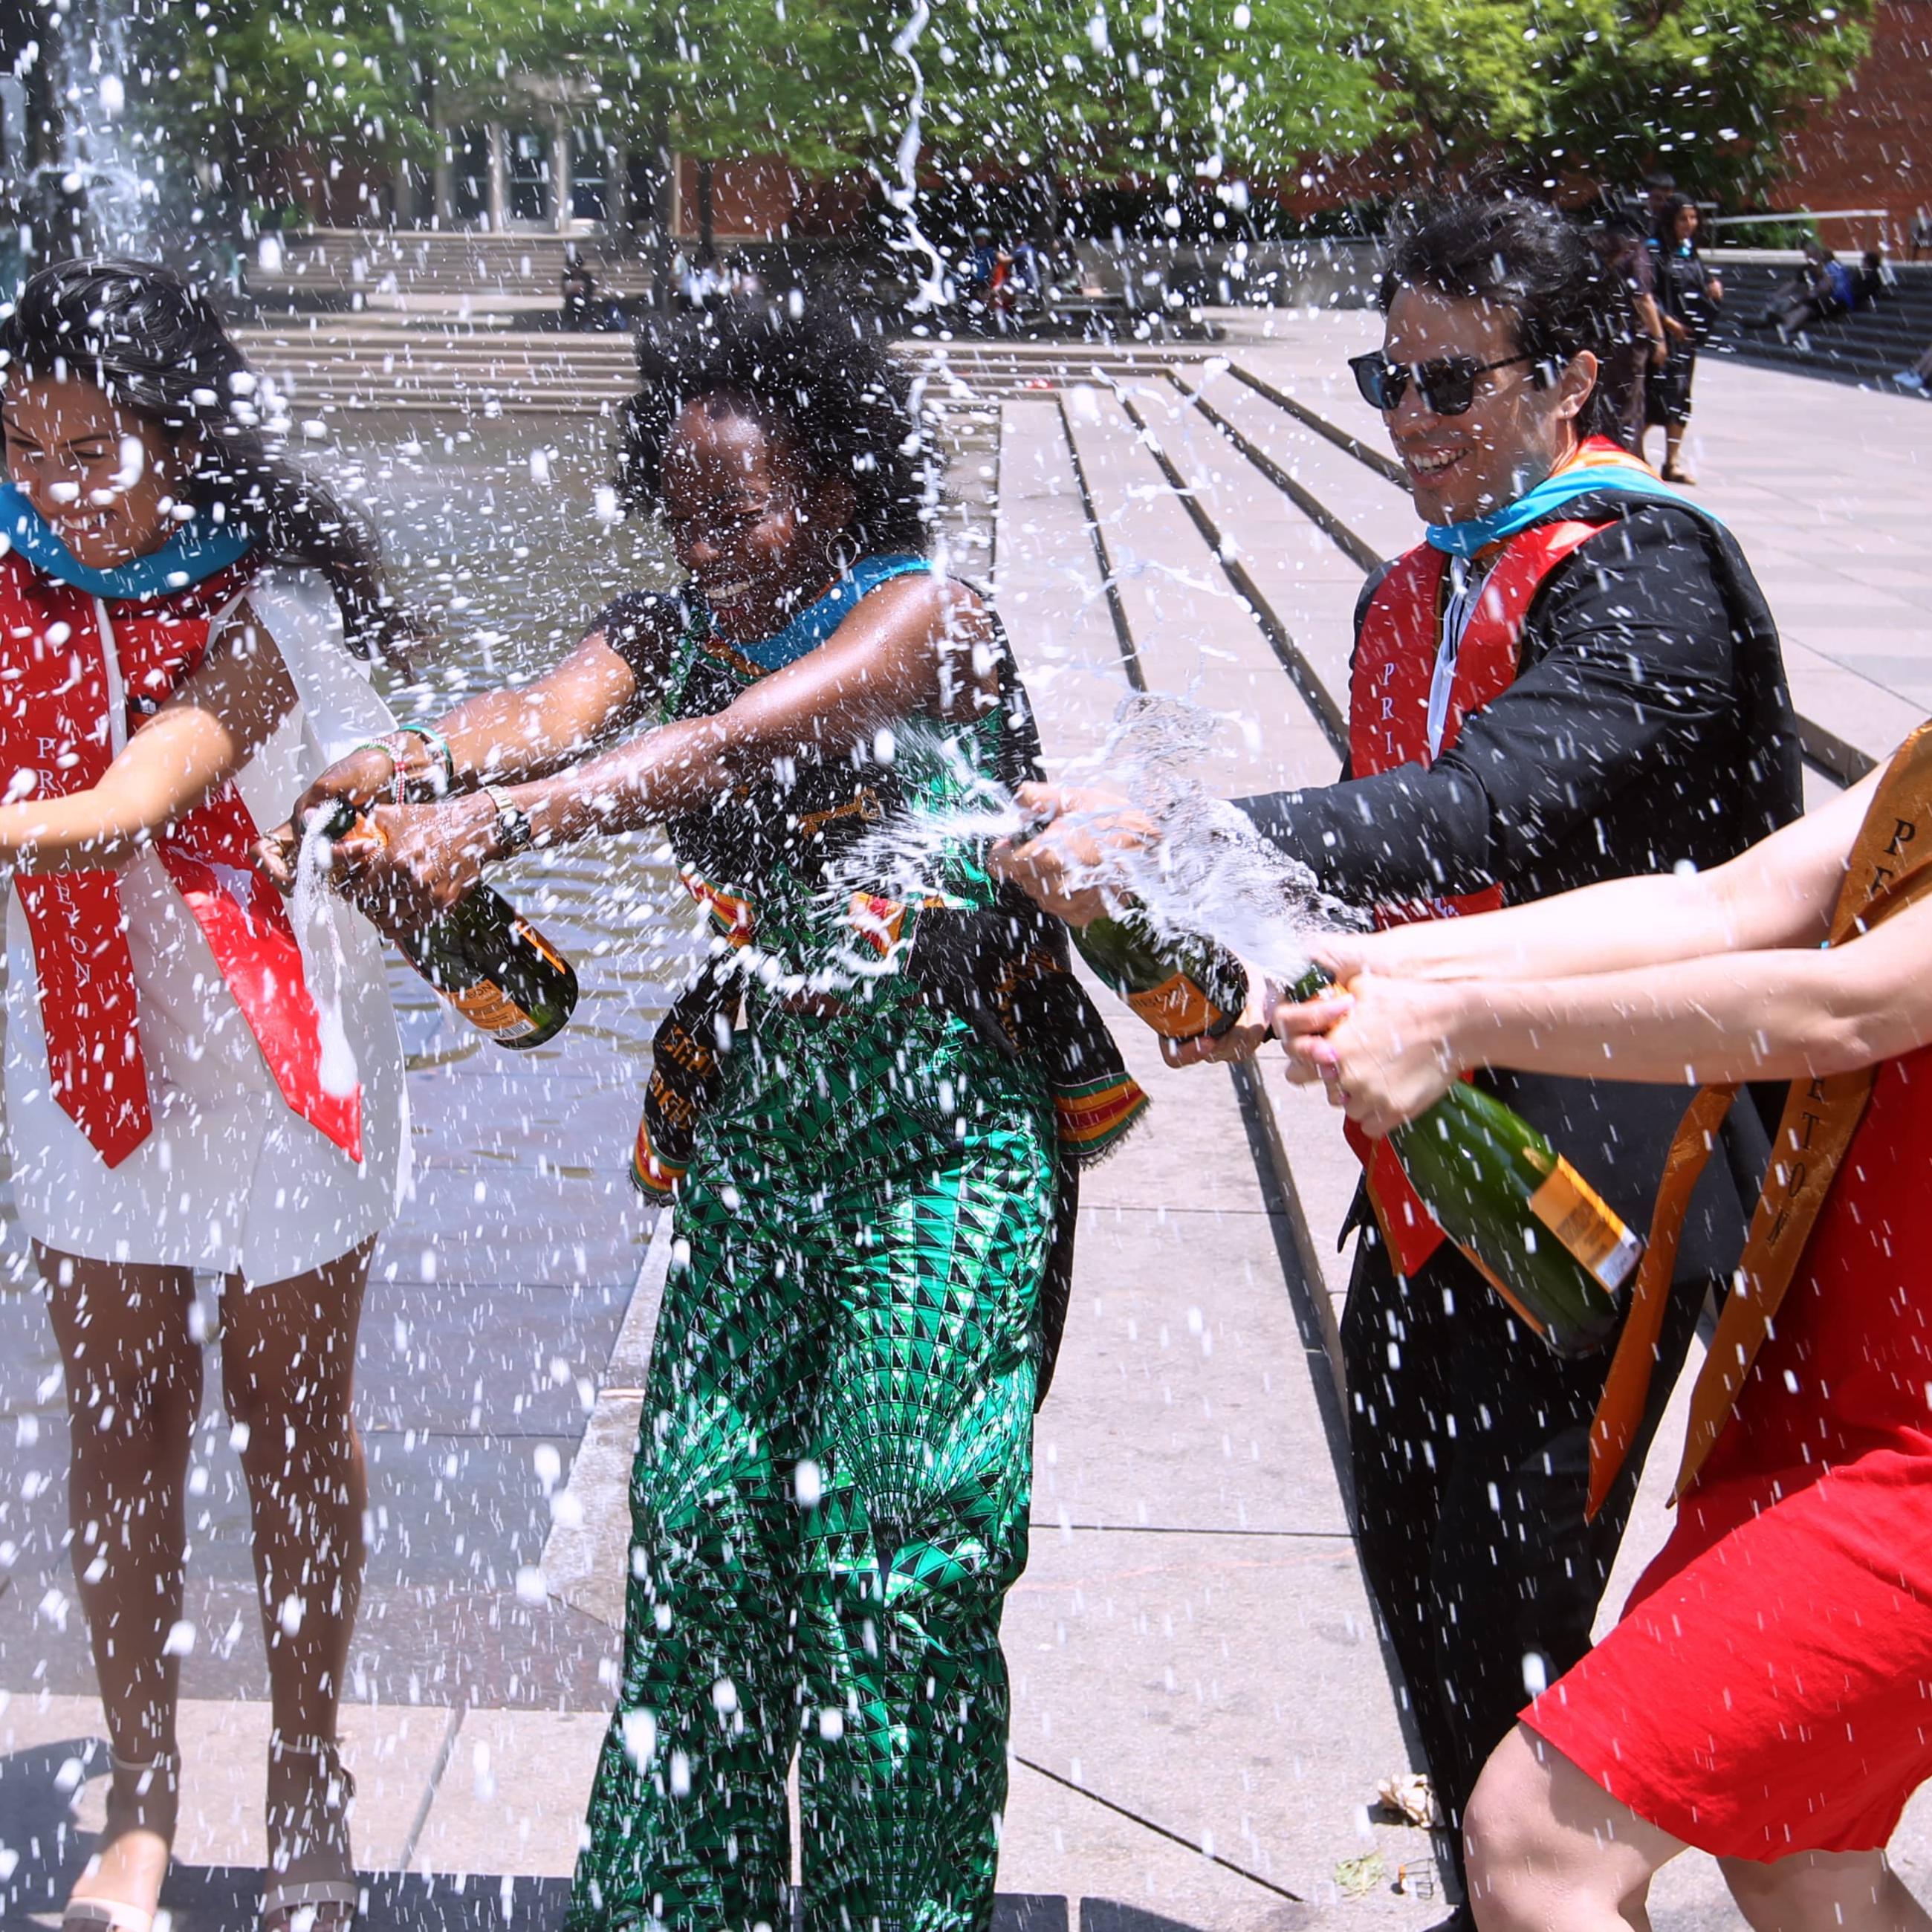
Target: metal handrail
{"points": [[1801, 214]]}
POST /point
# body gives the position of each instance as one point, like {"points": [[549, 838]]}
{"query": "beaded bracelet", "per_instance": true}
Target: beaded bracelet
{"points": [[433, 739], [439, 744]]}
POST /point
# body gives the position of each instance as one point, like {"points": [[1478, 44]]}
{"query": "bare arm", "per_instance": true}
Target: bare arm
{"points": [[509, 737], [1650, 319], [917, 645], [199, 738], [1390, 1048], [1721, 978], [1779, 893], [500, 736], [497, 736]]}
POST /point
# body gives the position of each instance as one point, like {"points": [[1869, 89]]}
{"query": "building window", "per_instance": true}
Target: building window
{"points": [[589, 174], [467, 150], [529, 174]]}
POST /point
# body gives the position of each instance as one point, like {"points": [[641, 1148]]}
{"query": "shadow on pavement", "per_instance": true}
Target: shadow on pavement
{"points": [[205, 1898], [42, 1852]]}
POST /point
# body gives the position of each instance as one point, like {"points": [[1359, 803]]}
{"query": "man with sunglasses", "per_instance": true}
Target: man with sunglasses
{"points": [[1574, 677]]}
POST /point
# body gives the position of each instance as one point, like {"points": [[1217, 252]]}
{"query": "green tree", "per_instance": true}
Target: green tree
{"points": [[250, 78], [1610, 88], [1144, 88]]}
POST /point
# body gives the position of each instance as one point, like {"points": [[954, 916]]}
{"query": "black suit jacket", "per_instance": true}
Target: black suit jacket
{"points": [[1649, 726]]}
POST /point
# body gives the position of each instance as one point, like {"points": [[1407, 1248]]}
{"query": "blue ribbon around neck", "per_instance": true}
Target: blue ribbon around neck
{"points": [[196, 551], [1551, 495], [818, 621]]}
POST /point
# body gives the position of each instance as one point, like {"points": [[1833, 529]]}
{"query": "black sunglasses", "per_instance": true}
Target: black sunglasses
{"points": [[1447, 386]]}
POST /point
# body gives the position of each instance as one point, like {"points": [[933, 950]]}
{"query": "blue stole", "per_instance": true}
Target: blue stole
{"points": [[818, 621], [1600, 468], [197, 550]]}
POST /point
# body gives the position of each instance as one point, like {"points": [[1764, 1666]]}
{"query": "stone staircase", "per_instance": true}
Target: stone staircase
{"points": [[336, 266], [324, 364], [1865, 348], [410, 365]]}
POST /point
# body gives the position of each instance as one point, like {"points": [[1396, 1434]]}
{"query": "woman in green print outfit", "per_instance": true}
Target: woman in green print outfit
{"points": [[870, 1112]]}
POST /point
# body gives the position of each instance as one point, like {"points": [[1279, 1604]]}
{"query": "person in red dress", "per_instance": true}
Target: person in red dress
{"points": [[1767, 1697]]}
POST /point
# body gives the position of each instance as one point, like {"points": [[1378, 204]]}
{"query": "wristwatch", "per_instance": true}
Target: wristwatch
{"points": [[514, 832]]}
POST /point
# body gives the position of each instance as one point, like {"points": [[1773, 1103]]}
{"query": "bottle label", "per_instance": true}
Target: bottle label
{"points": [[1587, 1225], [487, 1009], [540, 946], [1177, 1009]]}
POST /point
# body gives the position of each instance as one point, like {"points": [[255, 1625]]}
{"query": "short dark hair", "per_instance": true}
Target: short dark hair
{"points": [[1524, 257], [820, 371], [154, 343]]}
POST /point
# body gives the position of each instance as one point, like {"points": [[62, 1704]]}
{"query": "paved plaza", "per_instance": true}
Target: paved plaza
{"points": [[1203, 1710]]}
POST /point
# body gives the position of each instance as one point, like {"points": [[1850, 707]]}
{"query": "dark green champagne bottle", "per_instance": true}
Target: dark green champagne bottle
{"points": [[483, 957], [1555, 1250], [1183, 987], [1552, 1246]]}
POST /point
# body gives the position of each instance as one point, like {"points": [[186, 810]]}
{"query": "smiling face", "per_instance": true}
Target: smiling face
{"points": [[105, 478], [1511, 436], [761, 535]]}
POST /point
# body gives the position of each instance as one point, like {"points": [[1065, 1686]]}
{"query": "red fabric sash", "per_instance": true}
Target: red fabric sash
{"points": [[55, 739], [1388, 726]]}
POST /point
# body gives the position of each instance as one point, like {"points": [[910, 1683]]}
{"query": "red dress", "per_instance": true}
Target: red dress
{"points": [[1769, 1689]]}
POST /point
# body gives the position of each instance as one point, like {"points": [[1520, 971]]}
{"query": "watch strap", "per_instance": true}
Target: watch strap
{"points": [[513, 822]]}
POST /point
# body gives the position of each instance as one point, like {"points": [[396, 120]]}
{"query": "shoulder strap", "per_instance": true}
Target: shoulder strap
{"points": [[1890, 868], [1395, 650]]}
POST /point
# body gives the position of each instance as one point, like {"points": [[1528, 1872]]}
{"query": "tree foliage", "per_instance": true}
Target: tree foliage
{"points": [[1610, 87], [1095, 88], [1139, 87]]}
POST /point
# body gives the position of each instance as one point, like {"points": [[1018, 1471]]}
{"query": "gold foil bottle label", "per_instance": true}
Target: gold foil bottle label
{"points": [[1587, 1225]]}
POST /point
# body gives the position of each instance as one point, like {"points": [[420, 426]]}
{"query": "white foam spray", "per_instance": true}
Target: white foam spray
{"points": [[314, 914]]}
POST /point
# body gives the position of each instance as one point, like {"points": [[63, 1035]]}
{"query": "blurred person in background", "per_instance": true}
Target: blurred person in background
{"points": [[1636, 344], [1688, 296]]}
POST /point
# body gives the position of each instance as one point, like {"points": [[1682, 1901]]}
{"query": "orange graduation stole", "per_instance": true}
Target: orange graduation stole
{"points": [[1890, 868], [1388, 726]]}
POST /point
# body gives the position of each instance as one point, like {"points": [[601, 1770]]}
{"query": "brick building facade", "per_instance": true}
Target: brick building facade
{"points": [[1873, 147]]}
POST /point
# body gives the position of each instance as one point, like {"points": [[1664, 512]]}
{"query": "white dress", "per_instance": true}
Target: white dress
{"points": [[231, 1180]]}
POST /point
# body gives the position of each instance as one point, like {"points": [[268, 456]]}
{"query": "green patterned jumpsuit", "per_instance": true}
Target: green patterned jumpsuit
{"points": [[830, 1495]]}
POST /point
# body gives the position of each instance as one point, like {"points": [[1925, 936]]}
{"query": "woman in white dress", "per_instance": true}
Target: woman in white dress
{"points": [[194, 1081]]}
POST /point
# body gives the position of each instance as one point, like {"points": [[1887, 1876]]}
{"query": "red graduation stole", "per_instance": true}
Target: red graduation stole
{"points": [[1388, 726], [55, 739]]}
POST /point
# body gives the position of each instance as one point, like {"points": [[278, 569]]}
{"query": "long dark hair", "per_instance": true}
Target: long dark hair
{"points": [[818, 369], [1525, 257], [155, 345]]}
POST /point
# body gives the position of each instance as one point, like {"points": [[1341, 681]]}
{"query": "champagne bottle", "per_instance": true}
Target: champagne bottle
{"points": [[1183, 987], [1550, 1244], [482, 955], [1555, 1250]]}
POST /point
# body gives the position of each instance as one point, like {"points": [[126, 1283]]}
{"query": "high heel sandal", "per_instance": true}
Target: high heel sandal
{"points": [[120, 1915], [317, 1836]]}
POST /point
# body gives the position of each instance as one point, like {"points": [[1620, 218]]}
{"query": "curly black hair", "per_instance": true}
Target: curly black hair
{"points": [[817, 369], [154, 343], [1525, 256]]}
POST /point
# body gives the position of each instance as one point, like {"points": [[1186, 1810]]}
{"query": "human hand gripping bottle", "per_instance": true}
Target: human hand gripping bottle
{"points": [[1547, 1241], [481, 955]]}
